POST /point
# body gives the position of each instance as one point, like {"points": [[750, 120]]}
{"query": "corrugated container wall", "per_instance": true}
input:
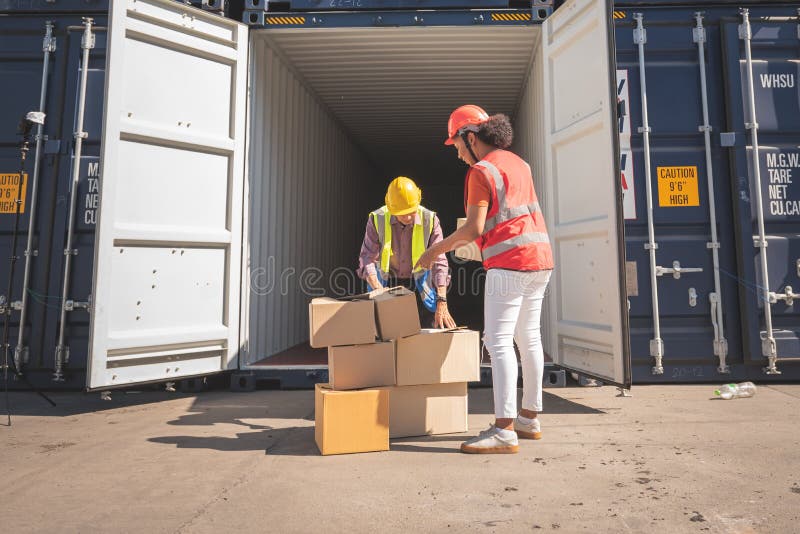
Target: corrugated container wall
{"points": [[529, 127], [307, 182]]}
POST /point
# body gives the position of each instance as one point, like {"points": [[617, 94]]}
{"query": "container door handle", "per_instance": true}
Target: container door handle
{"points": [[676, 270]]}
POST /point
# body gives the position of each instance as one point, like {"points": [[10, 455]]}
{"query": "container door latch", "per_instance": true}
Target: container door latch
{"points": [[676, 271]]}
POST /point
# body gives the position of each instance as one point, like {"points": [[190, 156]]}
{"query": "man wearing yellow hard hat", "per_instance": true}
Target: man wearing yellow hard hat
{"points": [[397, 235]]}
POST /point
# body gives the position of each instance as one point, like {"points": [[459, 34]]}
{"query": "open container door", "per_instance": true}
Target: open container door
{"points": [[168, 244], [590, 320]]}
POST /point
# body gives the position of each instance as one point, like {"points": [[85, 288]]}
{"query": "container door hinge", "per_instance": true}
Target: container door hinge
{"points": [[720, 343], [49, 44], [744, 32], [798, 23], [721, 351], [657, 352], [88, 40], [639, 35], [769, 349], [62, 358], [676, 270], [21, 356]]}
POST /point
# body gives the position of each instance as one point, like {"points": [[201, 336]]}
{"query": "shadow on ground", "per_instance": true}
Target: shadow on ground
{"points": [[480, 402], [24, 403], [250, 410]]}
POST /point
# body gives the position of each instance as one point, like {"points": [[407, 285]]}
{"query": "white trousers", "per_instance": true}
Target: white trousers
{"points": [[513, 311]]}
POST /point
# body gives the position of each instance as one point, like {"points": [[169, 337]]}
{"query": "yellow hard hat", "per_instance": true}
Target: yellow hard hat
{"points": [[403, 196]]}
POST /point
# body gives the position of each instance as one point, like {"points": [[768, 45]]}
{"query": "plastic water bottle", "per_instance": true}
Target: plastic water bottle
{"points": [[733, 391]]}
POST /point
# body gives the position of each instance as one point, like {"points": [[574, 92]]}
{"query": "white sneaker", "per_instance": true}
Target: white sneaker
{"points": [[491, 442], [533, 430]]}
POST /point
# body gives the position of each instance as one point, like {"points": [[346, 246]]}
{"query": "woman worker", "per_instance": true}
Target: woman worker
{"points": [[503, 214]]}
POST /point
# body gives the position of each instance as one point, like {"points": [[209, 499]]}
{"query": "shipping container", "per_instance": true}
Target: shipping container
{"points": [[237, 166], [701, 307]]}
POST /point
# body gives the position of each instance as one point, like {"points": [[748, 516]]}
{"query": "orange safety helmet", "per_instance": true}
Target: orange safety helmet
{"points": [[465, 118]]}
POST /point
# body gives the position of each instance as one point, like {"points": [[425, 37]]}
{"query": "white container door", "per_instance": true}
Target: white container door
{"points": [[584, 200], [168, 244]]}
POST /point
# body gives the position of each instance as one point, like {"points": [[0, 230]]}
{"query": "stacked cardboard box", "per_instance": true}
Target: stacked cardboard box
{"points": [[432, 370], [387, 377], [358, 332]]}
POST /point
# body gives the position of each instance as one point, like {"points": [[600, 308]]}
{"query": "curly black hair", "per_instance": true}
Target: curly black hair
{"points": [[497, 131]]}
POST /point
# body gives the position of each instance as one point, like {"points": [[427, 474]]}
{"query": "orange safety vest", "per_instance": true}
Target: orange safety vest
{"points": [[514, 236]]}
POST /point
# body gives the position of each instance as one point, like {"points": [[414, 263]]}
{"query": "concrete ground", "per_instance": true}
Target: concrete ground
{"points": [[669, 459]]}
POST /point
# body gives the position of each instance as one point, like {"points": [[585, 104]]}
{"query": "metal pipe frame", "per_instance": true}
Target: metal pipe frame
{"points": [[769, 347], [720, 343], [62, 351], [656, 344], [21, 351]]}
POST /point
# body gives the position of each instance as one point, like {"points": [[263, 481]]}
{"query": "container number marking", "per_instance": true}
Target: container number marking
{"points": [[9, 189], [677, 187]]}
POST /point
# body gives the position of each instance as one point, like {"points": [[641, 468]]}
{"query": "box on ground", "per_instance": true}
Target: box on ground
{"points": [[395, 312], [361, 366], [470, 251], [341, 322], [438, 356], [427, 410], [351, 421]]}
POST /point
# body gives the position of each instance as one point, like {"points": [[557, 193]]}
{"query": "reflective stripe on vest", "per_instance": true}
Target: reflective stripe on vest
{"points": [[513, 242], [503, 213], [419, 238]]}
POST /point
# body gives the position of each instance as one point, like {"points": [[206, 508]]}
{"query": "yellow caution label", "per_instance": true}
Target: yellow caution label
{"points": [[619, 14], [511, 17], [286, 20], [9, 190], [677, 187]]}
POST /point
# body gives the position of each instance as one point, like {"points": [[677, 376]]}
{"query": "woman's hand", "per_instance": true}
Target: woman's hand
{"points": [[442, 318], [426, 260]]}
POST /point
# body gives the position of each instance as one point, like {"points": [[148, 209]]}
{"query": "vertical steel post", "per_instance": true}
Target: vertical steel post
{"points": [[48, 47], [720, 343], [62, 351], [769, 347], [656, 344]]}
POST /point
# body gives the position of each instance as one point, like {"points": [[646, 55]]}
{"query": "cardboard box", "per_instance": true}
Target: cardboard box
{"points": [[396, 313], [361, 366], [427, 410], [438, 357], [351, 421], [341, 322], [470, 251]]}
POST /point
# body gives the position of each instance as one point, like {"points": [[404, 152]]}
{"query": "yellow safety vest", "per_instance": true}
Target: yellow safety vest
{"points": [[419, 238]]}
